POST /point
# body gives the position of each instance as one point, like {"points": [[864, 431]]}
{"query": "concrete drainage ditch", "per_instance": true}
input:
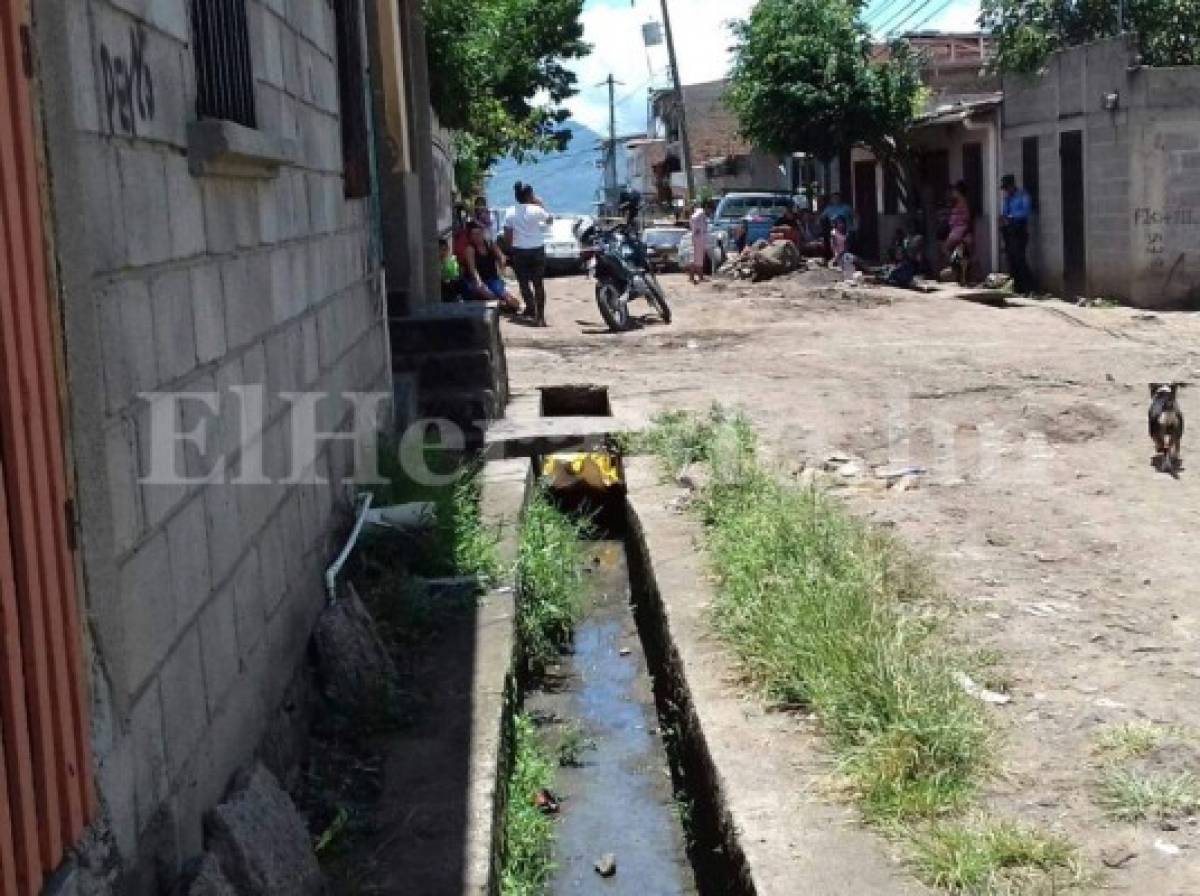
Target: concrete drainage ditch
{"points": [[638, 783]]}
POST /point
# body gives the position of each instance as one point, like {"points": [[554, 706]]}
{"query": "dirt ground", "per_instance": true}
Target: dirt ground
{"points": [[1069, 555]]}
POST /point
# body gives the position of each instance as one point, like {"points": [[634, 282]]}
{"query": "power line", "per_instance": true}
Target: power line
{"points": [[933, 15], [889, 23], [906, 20], [882, 11]]}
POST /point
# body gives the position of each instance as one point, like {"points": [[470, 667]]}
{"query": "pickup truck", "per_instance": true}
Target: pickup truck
{"points": [[759, 211]]}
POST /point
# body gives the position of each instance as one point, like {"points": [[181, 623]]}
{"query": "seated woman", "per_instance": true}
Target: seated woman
{"points": [[484, 261], [812, 241]]}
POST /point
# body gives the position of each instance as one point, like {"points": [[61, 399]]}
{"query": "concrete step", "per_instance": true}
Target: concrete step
{"points": [[450, 370], [470, 409]]}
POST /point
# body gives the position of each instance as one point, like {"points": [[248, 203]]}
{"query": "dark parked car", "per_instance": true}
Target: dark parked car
{"points": [[663, 243]]}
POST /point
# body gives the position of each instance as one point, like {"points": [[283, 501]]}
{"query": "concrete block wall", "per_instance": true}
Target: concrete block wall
{"points": [[199, 596], [1142, 205]]}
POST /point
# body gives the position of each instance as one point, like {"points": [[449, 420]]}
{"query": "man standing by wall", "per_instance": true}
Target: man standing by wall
{"points": [[1014, 224]]}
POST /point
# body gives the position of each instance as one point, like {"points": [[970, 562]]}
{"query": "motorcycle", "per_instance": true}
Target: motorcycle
{"points": [[623, 268]]}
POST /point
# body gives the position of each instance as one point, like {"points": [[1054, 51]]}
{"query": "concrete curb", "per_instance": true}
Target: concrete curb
{"points": [[768, 769], [503, 495]]}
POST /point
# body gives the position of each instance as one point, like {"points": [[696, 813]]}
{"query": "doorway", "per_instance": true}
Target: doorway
{"points": [[866, 209], [1070, 151]]}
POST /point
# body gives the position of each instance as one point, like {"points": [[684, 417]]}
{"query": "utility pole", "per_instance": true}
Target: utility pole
{"points": [[610, 155], [685, 151]]}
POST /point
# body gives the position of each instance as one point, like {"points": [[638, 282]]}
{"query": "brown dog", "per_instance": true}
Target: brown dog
{"points": [[1166, 424]]}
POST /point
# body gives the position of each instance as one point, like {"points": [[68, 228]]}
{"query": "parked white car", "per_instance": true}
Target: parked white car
{"points": [[564, 252], [716, 251]]}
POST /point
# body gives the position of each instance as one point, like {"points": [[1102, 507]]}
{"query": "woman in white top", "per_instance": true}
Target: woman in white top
{"points": [[526, 234], [699, 227]]}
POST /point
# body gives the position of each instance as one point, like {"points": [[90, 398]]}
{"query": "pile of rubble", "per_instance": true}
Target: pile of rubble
{"points": [[845, 471], [764, 261]]}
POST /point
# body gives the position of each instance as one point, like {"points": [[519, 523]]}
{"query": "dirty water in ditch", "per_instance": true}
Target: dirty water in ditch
{"points": [[619, 797]]}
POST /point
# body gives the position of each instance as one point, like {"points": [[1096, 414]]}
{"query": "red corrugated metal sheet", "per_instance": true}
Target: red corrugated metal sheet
{"points": [[47, 787]]}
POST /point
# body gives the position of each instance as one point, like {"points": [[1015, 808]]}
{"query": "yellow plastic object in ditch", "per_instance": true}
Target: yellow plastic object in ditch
{"points": [[594, 469]]}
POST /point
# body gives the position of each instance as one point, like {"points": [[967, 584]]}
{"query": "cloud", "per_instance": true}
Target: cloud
{"points": [[702, 42]]}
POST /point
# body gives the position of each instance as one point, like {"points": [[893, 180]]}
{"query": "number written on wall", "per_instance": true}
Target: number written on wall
{"points": [[128, 84]]}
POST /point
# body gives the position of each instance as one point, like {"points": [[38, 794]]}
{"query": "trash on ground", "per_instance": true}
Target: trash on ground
{"points": [[606, 865], [979, 692]]}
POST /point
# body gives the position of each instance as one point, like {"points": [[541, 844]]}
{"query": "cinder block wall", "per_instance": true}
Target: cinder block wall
{"points": [[1141, 160], [199, 598]]}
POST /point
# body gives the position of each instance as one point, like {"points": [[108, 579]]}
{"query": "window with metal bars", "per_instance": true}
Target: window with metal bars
{"points": [[356, 159], [224, 76]]}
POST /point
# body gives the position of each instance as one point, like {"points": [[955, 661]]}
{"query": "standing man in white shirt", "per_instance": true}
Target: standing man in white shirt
{"points": [[526, 227]]}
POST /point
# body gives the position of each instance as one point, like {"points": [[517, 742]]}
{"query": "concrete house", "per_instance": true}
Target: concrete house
{"points": [[1110, 150], [191, 207], [721, 159]]}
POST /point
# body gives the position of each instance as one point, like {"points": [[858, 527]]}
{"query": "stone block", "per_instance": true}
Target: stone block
{"points": [[127, 342], [250, 603], [185, 204], [139, 76], [246, 288], [208, 312], [274, 568], [125, 508], [101, 181], [185, 707], [204, 877], [147, 739], [230, 213], [147, 610], [115, 783], [82, 72], [174, 333], [225, 537], [219, 645], [160, 496], [281, 285], [261, 841], [355, 670], [191, 578], [143, 184]]}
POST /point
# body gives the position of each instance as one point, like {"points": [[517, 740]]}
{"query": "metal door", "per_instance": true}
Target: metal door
{"points": [[1070, 152], [46, 796]]}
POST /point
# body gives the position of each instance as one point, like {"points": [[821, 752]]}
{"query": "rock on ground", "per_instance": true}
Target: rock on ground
{"points": [[260, 840], [204, 877], [354, 665]]}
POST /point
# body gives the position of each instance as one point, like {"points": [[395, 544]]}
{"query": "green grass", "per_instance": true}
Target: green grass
{"points": [[1130, 740], [1129, 795], [528, 834], [460, 544], [826, 612], [549, 580], [679, 438], [572, 745], [995, 857]]}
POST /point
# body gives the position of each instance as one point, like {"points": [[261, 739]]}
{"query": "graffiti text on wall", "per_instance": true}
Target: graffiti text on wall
{"points": [[128, 84], [1157, 226]]}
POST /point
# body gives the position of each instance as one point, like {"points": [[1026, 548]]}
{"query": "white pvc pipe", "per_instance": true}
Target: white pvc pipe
{"points": [[331, 573]]}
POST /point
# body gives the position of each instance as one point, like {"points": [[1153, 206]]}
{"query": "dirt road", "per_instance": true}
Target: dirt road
{"points": [[1070, 556]]}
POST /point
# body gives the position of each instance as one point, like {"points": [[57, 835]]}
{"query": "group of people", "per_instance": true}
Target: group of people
{"points": [[474, 260]]}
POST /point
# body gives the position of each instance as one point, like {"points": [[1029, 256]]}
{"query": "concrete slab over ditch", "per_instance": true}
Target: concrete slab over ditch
{"points": [[771, 772]]}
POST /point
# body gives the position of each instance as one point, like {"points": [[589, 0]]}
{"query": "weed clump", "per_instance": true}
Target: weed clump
{"points": [[528, 834], [549, 581], [995, 857]]}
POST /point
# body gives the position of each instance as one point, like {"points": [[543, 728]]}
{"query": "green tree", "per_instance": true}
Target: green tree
{"points": [[1028, 31], [804, 79], [497, 75]]}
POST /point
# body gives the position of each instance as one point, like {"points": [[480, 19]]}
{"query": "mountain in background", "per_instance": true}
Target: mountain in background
{"points": [[569, 181]]}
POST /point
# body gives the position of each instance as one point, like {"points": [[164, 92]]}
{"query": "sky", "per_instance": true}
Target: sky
{"points": [[702, 42]]}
